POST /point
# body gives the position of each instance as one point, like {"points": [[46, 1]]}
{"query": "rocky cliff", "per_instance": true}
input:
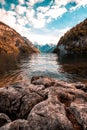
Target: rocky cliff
{"points": [[74, 41], [12, 42]]}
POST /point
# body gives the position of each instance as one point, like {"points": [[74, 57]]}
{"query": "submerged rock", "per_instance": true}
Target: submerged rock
{"points": [[44, 104]]}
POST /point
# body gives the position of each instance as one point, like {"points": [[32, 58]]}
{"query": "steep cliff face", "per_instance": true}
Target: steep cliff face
{"points": [[74, 41], [32, 48], [12, 42]]}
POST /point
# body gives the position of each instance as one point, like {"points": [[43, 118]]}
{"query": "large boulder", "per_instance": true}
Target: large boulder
{"points": [[18, 99], [44, 104]]}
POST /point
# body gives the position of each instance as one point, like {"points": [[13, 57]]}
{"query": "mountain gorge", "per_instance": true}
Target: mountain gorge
{"points": [[74, 41]]}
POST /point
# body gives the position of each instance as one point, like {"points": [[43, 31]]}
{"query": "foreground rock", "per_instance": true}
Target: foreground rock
{"points": [[44, 104], [16, 125]]}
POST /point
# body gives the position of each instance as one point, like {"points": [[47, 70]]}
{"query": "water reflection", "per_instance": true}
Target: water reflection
{"points": [[76, 66], [7, 63], [8, 69], [70, 69]]}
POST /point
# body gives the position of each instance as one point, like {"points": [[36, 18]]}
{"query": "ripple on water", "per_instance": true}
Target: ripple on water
{"points": [[70, 70]]}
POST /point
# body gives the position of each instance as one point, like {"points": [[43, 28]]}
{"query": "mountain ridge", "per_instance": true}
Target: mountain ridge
{"points": [[11, 42], [74, 41]]}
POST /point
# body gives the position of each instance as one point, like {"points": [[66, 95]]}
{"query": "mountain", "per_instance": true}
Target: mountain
{"points": [[12, 42], [74, 41], [45, 48]]}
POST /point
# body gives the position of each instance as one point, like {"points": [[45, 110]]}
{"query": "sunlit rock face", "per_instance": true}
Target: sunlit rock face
{"points": [[43, 103], [12, 42], [74, 41]]}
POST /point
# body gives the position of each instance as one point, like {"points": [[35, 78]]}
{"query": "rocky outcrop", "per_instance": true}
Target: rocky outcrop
{"points": [[74, 41], [12, 42], [43, 104]]}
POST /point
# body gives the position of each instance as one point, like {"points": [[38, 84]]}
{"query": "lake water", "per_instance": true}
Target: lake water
{"points": [[67, 69]]}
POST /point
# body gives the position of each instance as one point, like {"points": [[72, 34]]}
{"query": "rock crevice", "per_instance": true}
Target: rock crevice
{"points": [[43, 104]]}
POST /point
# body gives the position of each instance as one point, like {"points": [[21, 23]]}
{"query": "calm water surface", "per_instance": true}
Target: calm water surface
{"points": [[67, 69]]}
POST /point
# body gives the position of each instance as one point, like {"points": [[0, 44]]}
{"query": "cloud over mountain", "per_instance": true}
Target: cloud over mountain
{"points": [[36, 15]]}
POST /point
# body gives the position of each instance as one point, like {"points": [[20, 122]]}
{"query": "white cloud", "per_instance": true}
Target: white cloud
{"points": [[43, 9], [38, 22], [7, 17], [79, 3], [2, 2], [64, 2], [20, 9], [21, 2], [55, 12], [49, 36], [43, 15], [43, 39], [12, 6], [32, 2], [22, 20]]}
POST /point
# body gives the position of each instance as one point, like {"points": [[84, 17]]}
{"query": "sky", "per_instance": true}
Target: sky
{"points": [[42, 21]]}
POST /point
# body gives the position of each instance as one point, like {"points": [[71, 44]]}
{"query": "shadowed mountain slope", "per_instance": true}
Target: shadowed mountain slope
{"points": [[74, 41]]}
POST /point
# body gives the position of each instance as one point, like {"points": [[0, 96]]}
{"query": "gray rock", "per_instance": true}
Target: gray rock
{"points": [[4, 119], [18, 99], [16, 125], [80, 112], [40, 80], [47, 104], [49, 114]]}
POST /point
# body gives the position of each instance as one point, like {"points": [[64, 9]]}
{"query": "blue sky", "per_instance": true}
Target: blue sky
{"points": [[43, 21]]}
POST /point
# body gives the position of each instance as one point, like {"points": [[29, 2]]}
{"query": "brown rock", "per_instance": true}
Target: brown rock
{"points": [[49, 115], [12, 42], [80, 112], [4, 119], [18, 99], [47, 104], [40, 80], [17, 125]]}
